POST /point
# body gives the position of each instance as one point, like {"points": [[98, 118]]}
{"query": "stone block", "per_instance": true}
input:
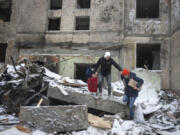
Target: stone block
{"points": [[55, 118]]}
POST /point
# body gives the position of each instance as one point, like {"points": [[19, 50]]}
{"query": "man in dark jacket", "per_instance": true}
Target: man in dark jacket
{"points": [[105, 71], [131, 93]]}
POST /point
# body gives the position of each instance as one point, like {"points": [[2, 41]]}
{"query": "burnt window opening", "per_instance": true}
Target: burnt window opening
{"points": [[5, 10], [147, 8], [82, 23], [149, 55], [3, 52], [80, 71], [56, 4], [83, 4], [54, 24]]}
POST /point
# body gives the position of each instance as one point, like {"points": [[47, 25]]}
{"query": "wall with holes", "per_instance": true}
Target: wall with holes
{"points": [[147, 26]]}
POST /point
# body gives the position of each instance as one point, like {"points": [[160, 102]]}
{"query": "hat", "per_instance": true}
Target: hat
{"points": [[107, 54], [125, 72]]}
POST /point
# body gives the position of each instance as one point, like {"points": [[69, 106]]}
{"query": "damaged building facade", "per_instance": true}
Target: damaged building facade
{"points": [[70, 35]]}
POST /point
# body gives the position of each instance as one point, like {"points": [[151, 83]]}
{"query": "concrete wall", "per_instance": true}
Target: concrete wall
{"points": [[175, 61], [8, 32], [32, 16], [106, 22], [134, 26], [175, 15], [174, 46]]}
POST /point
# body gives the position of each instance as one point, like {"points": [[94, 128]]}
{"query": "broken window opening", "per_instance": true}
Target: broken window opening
{"points": [[5, 10], [149, 55], [54, 24], [82, 23], [80, 71], [3, 52], [83, 4], [147, 8], [56, 4]]}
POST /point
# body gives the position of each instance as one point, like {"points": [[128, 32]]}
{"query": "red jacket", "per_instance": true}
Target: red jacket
{"points": [[92, 84]]}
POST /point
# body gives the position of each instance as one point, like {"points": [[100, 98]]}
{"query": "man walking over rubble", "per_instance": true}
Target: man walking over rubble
{"points": [[131, 90], [105, 71]]}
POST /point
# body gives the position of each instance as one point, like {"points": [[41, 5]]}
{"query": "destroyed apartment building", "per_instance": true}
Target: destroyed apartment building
{"points": [[46, 47], [72, 34]]}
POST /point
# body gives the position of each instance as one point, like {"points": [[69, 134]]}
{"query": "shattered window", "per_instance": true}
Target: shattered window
{"points": [[54, 24], [148, 56], [5, 10], [3, 52], [56, 4], [83, 3], [82, 23], [147, 9]]}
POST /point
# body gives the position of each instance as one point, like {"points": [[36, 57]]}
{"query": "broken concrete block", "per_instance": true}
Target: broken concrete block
{"points": [[99, 103], [55, 118]]}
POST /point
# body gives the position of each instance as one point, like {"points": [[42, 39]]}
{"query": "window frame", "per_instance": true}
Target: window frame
{"points": [[54, 19], [81, 17], [83, 8], [55, 9], [143, 18], [5, 49], [149, 43]]}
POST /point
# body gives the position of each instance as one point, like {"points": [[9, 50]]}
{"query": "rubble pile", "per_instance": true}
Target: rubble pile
{"points": [[156, 111], [26, 83], [22, 85], [164, 121]]}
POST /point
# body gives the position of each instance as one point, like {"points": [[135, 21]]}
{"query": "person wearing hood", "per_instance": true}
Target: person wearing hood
{"points": [[105, 64], [131, 91]]}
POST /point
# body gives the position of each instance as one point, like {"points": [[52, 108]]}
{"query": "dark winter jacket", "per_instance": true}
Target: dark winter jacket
{"points": [[129, 91], [106, 66], [89, 73]]}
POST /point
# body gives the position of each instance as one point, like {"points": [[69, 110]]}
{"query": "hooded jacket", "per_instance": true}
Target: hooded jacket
{"points": [[129, 91]]}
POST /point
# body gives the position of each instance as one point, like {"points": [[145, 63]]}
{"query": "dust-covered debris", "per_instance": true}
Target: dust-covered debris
{"points": [[157, 111], [26, 83]]}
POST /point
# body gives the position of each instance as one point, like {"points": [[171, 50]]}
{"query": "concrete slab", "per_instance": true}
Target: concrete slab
{"points": [[92, 101], [55, 118]]}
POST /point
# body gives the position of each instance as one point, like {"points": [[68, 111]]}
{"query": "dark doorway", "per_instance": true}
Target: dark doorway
{"points": [[82, 23], [54, 24], [5, 10], [56, 4], [80, 70], [149, 55], [3, 52], [147, 8], [83, 3]]}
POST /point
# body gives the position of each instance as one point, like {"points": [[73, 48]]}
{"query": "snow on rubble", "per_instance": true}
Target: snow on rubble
{"points": [[157, 111], [29, 82]]}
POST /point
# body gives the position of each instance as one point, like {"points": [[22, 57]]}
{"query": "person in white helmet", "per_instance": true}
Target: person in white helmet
{"points": [[105, 71]]}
